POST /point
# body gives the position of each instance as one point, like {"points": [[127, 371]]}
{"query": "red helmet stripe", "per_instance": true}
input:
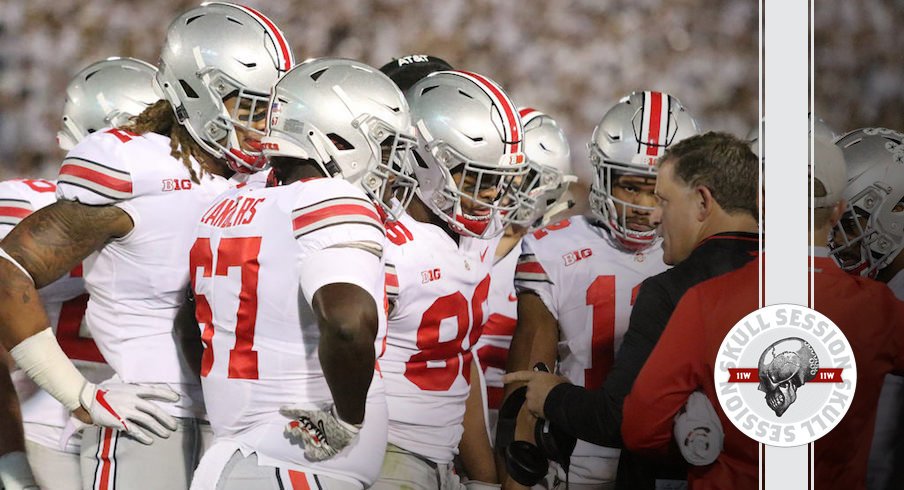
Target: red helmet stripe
{"points": [[281, 44], [527, 114], [653, 121], [512, 121]]}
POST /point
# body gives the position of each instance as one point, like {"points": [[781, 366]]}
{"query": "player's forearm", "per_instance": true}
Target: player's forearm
{"points": [[21, 310], [535, 339], [474, 448], [25, 332], [347, 358]]}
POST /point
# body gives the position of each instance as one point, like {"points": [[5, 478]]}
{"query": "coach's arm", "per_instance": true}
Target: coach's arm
{"points": [[595, 416]]}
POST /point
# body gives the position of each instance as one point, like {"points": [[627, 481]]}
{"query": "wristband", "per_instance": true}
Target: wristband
{"points": [[42, 359]]}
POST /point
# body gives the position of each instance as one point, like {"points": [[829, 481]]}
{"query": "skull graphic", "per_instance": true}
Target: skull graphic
{"points": [[784, 367]]}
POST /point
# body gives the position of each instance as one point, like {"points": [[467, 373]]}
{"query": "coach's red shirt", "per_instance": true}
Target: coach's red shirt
{"points": [[866, 311]]}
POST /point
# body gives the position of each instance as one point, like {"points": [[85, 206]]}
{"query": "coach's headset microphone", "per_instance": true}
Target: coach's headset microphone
{"points": [[527, 463]]}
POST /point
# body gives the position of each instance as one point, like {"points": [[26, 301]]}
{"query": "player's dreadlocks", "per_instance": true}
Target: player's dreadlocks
{"points": [[159, 118]]}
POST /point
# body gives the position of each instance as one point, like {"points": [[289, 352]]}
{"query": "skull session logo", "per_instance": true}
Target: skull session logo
{"points": [[785, 375]]}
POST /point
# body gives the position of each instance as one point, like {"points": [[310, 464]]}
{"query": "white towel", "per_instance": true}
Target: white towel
{"points": [[698, 431]]}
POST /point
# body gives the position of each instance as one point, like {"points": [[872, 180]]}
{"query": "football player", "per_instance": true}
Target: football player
{"points": [[104, 94], [577, 278], [130, 198], [289, 287], [545, 197], [869, 241], [438, 259]]}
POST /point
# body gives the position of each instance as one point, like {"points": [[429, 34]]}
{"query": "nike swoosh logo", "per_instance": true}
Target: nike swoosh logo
{"points": [[484, 254], [99, 396]]}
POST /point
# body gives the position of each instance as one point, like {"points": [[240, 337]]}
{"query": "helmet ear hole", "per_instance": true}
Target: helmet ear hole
{"points": [[189, 92], [420, 161], [340, 142]]}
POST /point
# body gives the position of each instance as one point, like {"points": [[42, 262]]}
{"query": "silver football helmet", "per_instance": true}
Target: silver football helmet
{"points": [[871, 233], [469, 156], [629, 140], [212, 53], [350, 119], [105, 94], [544, 192]]}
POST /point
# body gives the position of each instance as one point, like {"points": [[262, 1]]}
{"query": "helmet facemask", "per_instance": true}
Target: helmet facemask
{"points": [[542, 195], [859, 243], [388, 180], [478, 199], [248, 110], [605, 206]]}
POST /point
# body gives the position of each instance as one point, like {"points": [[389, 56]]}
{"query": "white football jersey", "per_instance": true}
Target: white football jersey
{"points": [[496, 337], [589, 286], [260, 332], [64, 301], [137, 283], [439, 291]]}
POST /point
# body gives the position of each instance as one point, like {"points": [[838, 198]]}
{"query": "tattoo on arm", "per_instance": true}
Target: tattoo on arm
{"points": [[54, 239]]}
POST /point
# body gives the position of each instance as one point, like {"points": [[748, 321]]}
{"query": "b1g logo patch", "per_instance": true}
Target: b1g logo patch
{"points": [[785, 375]]}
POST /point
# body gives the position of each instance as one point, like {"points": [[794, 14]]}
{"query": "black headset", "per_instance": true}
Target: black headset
{"points": [[527, 463]]}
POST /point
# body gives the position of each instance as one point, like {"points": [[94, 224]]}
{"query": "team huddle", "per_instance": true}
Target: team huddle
{"points": [[253, 273]]}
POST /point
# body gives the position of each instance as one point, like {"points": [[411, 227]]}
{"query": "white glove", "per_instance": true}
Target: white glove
{"points": [[15, 473], [698, 431], [321, 432], [126, 407]]}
